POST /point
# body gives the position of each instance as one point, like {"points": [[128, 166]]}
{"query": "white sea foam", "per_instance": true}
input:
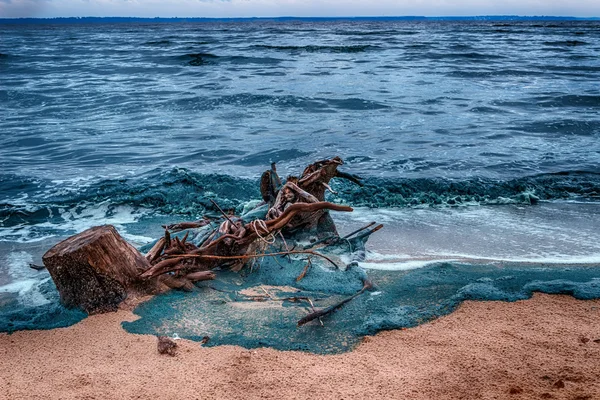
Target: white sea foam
{"points": [[18, 265], [549, 233], [76, 219], [136, 240], [401, 265], [24, 281], [28, 291], [389, 262]]}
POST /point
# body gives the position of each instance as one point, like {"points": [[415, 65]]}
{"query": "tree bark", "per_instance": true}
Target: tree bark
{"points": [[97, 269]]}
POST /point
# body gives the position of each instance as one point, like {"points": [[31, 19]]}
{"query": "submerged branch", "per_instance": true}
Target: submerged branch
{"points": [[321, 313]]}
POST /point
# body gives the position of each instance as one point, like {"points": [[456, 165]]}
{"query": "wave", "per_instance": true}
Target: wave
{"points": [[182, 192], [306, 104], [561, 127], [568, 43], [164, 42], [379, 192], [319, 49], [200, 59], [493, 73], [471, 56], [389, 32], [570, 100]]}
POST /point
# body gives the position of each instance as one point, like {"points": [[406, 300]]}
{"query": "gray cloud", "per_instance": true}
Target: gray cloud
{"points": [[250, 8], [22, 8]]}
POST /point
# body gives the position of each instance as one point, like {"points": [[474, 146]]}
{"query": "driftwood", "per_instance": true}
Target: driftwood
{"points": [[37, 267], [270, 183], [298, 204], [304, 271], [187, 225], [359, 230], [315, 181], [212, 255], [367, 285], [97, 269]]}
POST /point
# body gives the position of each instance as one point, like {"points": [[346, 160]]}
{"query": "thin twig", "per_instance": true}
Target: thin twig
{"points": [[221, 210], [358, 230], [312, 306], [304, 271], [267, 293], [370, 232]]}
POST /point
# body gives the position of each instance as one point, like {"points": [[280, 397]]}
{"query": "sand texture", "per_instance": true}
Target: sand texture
{"points": [[544, 348]]}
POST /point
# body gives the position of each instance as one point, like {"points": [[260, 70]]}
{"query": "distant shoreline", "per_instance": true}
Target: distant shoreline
{"points": [[483, 18]]}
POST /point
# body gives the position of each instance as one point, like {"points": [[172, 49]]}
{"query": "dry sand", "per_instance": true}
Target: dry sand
{"points": [[543, 348]]}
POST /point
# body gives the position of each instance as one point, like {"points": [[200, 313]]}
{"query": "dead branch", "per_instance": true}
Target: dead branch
{"points": [[156, 250], [177, 283], [167, 239], [186, 225], [273, 225], [162, 267], [304, 271], [370, 232], [201, 276], [359, 230], [321, 313], [37, 267], [221, 211], [352, 178]]}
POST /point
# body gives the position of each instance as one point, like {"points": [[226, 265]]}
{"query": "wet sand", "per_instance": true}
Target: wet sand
{"points": [[547, 347]]}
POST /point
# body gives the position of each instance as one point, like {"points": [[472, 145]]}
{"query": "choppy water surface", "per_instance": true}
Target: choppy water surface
{"points": [[478, 141], [393, 98]]}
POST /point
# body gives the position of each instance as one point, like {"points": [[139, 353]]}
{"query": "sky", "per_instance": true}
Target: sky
{"points": [[298, 8]]}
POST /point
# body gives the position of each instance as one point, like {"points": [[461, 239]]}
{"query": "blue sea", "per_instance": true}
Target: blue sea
{"points": [[478, 141]]}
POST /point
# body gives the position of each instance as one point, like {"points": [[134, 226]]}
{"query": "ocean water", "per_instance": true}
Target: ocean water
{"points": [[478, 143]]}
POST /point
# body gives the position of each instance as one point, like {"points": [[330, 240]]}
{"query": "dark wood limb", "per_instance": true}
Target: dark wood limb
{"points": [[221, 211], [201, 276], [359, 230], [370, 232], [156, 250], [304, 271], [187, 225], [321, 313], [272, 225], [179, 283], [37, 267], [352, 178], [167, 239], [162, 267]]}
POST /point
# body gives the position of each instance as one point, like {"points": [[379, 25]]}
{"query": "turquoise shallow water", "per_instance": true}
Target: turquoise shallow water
{"points": [[223, 311], [478, 142]]}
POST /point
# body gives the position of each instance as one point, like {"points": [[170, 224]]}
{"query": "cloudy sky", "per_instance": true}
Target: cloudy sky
{"points": [[270, 8]]}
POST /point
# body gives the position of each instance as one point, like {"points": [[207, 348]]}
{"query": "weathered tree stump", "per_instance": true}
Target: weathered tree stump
{"points": [[97, 269]]}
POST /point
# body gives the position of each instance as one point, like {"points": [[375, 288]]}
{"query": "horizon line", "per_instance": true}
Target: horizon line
{"points": [[421, 17]]}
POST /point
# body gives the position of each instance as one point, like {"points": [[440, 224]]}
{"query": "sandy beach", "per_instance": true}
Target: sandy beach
{"points": [[547, 347]]}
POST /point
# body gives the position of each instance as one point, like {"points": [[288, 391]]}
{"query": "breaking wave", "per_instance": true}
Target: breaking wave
{"points": [[47, 205]]}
